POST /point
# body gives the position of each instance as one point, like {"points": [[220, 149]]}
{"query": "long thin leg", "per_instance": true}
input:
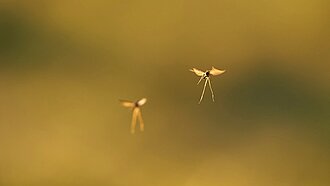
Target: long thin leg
{"points": [[211, 90], [141, 121], [200, 80], [135, 114], [203, 91]]}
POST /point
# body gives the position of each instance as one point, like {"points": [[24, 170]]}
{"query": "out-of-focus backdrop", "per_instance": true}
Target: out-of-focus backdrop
{"points": [[65, 64]]}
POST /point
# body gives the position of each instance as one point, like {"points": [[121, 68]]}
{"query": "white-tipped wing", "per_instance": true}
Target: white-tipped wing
{"points": [[142, 101], [216, 72], [197, 72], [128, 104]]}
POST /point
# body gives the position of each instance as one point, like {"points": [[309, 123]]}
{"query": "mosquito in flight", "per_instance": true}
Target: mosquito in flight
{"points": [[136, 112], [206, 75]]}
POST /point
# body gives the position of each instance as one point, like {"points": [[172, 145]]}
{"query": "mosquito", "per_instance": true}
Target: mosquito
{"points": [[206, 75], [135, 106]]}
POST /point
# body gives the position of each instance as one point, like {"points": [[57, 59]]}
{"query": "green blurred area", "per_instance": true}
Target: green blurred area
{"points": [[65, 64]]}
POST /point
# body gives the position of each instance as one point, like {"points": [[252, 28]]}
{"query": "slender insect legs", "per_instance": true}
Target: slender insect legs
{"points": [[136, 107], [206, 75]]}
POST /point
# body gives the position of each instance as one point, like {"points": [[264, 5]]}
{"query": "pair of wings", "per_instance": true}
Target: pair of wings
{"points": [[213, 71], [131, 104]]}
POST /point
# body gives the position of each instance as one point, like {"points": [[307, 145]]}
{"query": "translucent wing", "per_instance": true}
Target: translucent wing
{"points": [[128, 104], [142, 101], [197, 72], [216, 72]]}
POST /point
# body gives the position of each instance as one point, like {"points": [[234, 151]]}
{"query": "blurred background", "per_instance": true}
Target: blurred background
{"points": [[65, 64]]}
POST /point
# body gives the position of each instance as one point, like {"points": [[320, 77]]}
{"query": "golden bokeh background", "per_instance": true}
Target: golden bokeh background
{"points": [[65, 64]]}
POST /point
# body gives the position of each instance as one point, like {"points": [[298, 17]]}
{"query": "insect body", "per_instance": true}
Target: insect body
{"points": [[136, 107], [206, 75]]}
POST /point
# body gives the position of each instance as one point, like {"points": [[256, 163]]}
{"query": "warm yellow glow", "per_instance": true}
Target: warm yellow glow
{"points": [[64, 65]]}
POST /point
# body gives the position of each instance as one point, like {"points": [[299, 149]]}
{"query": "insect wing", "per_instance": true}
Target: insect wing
{"points": [[197, 72], [142, 101], [216, 72], [128, 104]]}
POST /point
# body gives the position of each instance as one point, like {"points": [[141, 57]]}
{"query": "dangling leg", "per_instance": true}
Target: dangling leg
{"points": [[200, 80], [211, 89], [203, 92], [141, 121], [135, 112]]}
